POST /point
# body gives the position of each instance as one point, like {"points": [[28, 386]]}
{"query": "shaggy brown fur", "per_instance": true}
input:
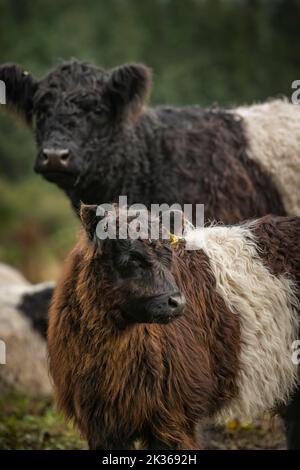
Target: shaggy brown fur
{"points": [[122, 381], [279, 241], [149, 382]]}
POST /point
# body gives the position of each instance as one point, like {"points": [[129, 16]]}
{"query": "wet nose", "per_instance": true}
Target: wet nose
{"points": [[176, 302], [55, 159]]}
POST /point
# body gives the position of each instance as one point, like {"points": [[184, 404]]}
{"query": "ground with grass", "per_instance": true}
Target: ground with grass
{"points": [[27, 423], [33, 424]]}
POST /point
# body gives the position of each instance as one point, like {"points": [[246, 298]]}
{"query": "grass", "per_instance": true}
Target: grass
{"points": [[33, 424], [27, 423]]}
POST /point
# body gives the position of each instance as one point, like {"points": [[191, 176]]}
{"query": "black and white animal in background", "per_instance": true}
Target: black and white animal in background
{"points": [[23, 327], [97, 139]]}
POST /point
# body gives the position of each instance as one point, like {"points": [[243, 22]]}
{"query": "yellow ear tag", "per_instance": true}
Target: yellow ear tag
{"points": [[173, 239]]}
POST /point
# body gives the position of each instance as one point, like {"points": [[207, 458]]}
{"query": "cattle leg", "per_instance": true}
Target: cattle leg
{"points": [[188, 442]]}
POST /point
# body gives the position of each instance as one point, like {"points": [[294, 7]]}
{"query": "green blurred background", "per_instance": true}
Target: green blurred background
{"points": [[201, 51]]}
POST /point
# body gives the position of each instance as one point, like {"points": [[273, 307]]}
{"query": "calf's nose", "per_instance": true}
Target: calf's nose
{"points": [[55, 159], [176, 302]]}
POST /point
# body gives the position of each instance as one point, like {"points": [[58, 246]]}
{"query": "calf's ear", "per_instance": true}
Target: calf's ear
{"points": [[20, 87], [89, 219], [127, 90]]}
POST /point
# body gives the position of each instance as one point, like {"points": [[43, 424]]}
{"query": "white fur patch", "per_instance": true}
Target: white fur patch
{"points": [[273, 134], [26, 368], [267, 308]]}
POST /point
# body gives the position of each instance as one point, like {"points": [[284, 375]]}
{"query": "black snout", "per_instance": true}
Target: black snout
{"points": [[57, 165], [176, 302], [157, 309], [55, 159]]}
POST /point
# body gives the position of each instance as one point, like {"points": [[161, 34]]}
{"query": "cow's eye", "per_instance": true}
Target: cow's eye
{"points": [[39, 114], [70, 125], [132, 266], [135, 264], [138, 259]]}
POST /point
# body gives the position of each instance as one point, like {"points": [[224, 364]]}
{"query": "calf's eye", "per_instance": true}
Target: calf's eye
{"points": [[131, 268]]}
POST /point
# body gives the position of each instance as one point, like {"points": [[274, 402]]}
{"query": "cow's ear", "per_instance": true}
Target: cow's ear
{"points": [[127, 90], [20, 87], [89, 218]]}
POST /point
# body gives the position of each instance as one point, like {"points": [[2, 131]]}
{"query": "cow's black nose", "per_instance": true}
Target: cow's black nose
{"points": [[176, 302], [55, 159]]}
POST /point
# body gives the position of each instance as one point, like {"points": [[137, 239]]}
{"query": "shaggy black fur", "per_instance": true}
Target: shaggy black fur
{"points": [[117, 146]]}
